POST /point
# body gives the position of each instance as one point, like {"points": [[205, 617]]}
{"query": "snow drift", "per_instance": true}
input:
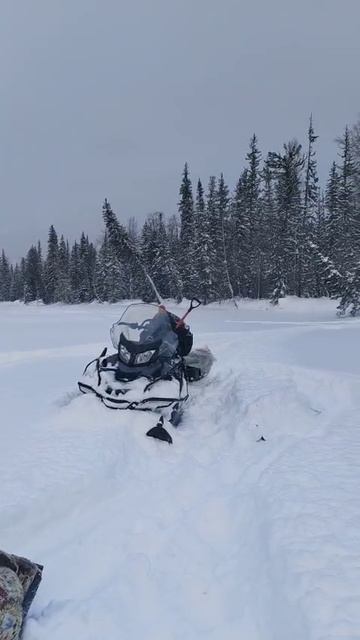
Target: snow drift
{"points": [[247, 527]]}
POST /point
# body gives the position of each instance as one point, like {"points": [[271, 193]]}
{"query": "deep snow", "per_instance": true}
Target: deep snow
{"points": [[220, 536]]}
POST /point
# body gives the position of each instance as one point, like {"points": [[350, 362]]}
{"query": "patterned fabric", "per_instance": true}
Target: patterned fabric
{"points": [[11, 599], [19, 580]]}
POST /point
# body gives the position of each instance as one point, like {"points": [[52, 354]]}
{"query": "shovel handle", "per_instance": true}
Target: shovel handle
{"points": [[194, 304]]}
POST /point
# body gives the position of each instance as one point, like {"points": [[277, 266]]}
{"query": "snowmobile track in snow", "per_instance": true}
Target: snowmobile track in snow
{"points": [[218, 536]]}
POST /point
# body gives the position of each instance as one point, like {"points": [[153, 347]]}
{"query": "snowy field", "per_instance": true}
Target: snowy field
{"points": [[222, 536]]}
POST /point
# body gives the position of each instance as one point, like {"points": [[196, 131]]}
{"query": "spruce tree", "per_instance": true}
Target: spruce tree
{"points": [[5, 277], [117, 234], [266, 225], [172, 284], [187, 237], [63, 287], [355, 149], [40, 284], [17, 285], [198, 222], [74, 272], [349, 240], [200, 198], [287, 168], [173, 239], [173, 234], [51, 267], [33, 282], [307, 271], [22, 277], [122, 250], [349, 237], [222, 197], [101, 272], [240, 255], [205, 251], [134, 275], [334, 221], [86, 270], [115, 275], [317, 247], [333, 233], [215, 251], [252, 199], [350, 292], [151, 261]]}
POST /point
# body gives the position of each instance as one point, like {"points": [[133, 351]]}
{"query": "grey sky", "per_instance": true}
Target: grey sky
{"points": [[109, 98]]}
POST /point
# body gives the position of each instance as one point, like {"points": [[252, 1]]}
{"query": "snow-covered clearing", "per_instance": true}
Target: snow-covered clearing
{"points": [[220, 536]]}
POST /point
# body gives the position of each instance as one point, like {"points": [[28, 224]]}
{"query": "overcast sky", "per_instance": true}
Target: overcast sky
{"points": [[105, 98]]}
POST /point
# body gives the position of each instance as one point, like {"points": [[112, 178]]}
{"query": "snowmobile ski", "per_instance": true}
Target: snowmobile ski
{"points": [[159, 432]]}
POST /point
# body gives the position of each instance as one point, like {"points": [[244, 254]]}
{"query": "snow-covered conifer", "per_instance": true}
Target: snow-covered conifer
{"points": [[187, 236], [51, 267], [5, 277]]}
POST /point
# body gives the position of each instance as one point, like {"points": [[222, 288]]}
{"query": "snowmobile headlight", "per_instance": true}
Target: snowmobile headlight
{"points": [[124, 354], [144, 357]]}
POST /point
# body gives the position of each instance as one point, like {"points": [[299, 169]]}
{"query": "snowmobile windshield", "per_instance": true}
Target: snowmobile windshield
{"points": [[144, 330]]}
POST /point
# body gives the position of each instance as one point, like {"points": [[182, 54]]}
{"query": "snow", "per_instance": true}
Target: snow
{"points": [[221, 535]]}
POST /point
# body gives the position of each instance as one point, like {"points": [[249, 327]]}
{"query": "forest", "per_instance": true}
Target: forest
{"points": [[277, 233]]}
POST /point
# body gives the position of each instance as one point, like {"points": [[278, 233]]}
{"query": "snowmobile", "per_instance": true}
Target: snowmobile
{"points": [[149, 371]]}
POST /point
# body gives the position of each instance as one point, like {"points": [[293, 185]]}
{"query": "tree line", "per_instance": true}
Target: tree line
{"points": [[278, 233]]}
